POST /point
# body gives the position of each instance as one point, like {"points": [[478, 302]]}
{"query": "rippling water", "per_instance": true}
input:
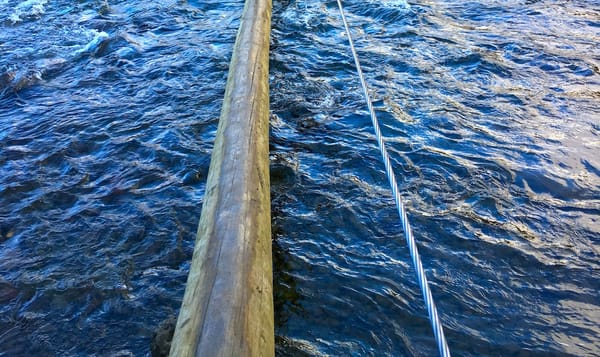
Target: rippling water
{"points": [[107, 116], [490, 109]]}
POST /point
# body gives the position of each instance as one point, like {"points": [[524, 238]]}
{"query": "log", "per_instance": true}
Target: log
{"points": [[227, 308]]}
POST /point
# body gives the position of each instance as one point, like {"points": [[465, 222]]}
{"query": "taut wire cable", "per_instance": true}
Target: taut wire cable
{"points": [[438, 330]]}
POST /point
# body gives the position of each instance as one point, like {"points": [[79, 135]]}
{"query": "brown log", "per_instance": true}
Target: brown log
{"points": [[227, 309]]}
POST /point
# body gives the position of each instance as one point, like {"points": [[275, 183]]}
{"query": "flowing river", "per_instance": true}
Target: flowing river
{"points": [[491, 114]]}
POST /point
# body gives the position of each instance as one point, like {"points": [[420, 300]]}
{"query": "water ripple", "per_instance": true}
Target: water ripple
{"points": [[107, 116], [489, 111]]}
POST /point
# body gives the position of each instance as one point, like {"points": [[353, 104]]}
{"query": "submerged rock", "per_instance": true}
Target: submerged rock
{"points": [[161, 339]]}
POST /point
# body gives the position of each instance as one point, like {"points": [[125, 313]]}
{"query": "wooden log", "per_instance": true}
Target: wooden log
{"points": [[227, 309]]}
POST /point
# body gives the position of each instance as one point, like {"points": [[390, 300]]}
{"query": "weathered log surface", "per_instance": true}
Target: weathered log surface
{"points": [[227, 308]]}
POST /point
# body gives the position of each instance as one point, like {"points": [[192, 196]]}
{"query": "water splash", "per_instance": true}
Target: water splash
{"points": [[98, 38], [26, 9]]}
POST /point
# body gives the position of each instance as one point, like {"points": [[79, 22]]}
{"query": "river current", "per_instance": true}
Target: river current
{"points": [[490, 111]]}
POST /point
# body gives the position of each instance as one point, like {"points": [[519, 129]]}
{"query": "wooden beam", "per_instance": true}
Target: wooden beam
{"points": [[227, 307]]}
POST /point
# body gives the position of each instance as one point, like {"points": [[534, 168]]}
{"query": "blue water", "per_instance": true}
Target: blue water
{"points": [[108, 111]]}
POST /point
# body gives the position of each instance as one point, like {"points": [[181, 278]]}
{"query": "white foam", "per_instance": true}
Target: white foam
{"points": [[97, 38], [26, 8], [396, 3], [389, 4]]}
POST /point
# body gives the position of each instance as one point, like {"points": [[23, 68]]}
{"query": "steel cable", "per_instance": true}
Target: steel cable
{"points": [[436, 324]]}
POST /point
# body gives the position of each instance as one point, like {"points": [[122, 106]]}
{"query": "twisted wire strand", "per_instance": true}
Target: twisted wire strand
{"points": [[436, 324]]}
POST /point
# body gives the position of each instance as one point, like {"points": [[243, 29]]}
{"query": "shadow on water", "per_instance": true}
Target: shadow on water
{"points": [[285, 292]]}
